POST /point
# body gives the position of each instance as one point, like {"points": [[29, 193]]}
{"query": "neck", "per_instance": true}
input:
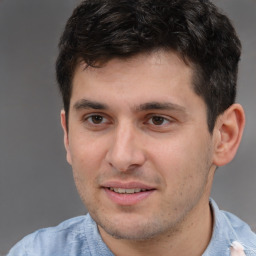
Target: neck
{"points": [[191, 238]]}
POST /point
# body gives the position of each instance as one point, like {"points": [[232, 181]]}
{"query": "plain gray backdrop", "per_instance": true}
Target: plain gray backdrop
{"points": [[36, 186]]}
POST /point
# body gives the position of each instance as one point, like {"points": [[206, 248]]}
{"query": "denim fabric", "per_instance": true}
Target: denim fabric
{"points": [[227, 229], [80, 237]]}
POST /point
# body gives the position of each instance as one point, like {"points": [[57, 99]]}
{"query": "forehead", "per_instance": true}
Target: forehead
{"points": [[152, 77]]}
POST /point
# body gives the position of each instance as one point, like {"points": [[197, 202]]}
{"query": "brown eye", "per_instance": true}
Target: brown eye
{"points": [[96, 119], [158, 120]]}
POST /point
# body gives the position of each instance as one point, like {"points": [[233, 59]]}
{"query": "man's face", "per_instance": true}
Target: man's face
{"points": [[139, 145]]}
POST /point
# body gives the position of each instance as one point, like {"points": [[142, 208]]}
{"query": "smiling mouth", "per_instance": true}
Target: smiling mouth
{"points": [[128, 190], [127, 194]]}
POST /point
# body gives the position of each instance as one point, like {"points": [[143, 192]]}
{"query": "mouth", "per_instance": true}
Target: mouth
{"points": [[128, 190], [127, 194]]}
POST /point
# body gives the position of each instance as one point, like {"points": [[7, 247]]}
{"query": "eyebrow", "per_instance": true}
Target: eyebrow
{"points": [[160, 106], [88, 104]]}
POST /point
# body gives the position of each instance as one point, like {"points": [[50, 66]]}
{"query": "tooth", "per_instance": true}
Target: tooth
{"points": [[121, 190], [130, 191], [127, 190]]}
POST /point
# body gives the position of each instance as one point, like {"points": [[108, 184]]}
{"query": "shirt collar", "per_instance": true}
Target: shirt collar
{"points": [[223, 233]]}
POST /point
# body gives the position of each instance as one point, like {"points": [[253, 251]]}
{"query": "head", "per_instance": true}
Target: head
{"points": [[100, 30], [148, 89]]}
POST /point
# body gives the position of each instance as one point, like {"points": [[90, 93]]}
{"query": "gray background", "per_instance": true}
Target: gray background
{"points": [[36, 186]]}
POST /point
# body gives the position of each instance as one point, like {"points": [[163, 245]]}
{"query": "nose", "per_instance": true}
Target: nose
{"points": [[126, 149]]}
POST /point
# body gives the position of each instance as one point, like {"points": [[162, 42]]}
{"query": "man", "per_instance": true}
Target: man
{"points": [[149, 113]]}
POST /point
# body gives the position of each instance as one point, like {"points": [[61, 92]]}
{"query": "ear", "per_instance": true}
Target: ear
{"points": [[228, 133], [66, 139]]}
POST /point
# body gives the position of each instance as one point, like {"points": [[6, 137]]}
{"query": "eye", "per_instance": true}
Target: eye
{"points": [[158, 120], [96, 119]]}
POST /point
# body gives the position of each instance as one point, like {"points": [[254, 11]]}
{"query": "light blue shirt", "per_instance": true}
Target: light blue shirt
{"points": [[80, 237]]}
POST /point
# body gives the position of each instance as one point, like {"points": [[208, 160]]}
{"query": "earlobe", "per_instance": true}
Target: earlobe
{"points": [[228, 133], [66, 139]]}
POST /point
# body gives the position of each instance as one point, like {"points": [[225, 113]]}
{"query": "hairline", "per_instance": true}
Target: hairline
{"points": [[197, 77]]}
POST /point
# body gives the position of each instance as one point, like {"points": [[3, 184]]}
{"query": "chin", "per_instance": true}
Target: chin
{"points": [[137, 229], [138, 234]]}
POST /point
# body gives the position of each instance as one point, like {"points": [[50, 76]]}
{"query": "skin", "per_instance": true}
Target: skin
{"points": [[140, 121]]}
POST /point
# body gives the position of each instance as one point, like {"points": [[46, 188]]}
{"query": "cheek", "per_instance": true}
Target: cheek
{"points": [[171, 155], [86, 164], [87, 152], [180, 160]]}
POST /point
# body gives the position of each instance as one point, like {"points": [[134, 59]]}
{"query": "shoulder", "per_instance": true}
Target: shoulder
{"points": [[228, 229], [59, 240], [241, 230]]}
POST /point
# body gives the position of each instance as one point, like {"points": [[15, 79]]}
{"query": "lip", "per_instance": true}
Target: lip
{"points": [[127, 199], [127, 185]]}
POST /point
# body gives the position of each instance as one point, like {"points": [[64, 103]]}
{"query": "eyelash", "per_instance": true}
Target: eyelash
{"points": [[90, 117], [163, 120], [104, 121]]}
